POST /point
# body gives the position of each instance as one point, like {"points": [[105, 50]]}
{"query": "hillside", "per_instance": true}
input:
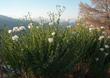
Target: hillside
{"points": [[10, 22]]}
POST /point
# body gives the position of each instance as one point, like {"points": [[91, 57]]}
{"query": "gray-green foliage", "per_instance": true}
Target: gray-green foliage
{"points": [[33, 55]]}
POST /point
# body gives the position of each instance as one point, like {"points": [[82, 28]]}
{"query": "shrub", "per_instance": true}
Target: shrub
{"points": [[52, 52]]}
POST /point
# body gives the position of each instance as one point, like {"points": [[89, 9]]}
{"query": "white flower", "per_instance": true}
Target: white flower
{"points": [[97, 59], [101, 49], [37, 27], [22, 28], [51, 23], [103, 32], [9, 31], [106, 54], [29, 26], [107, 46], [50, 40], [69, 26], [15, 29], [101, 37], [53, 33], [102, 27], [90, 29], [15, 38], [108, 37]]}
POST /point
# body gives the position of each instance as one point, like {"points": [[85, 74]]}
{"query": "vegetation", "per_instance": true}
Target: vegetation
{"points": [[48, 50], [54, 52], [97, 14]]}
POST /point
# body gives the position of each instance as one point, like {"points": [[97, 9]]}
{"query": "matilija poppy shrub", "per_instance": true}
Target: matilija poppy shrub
{"points": [[49, 52]]}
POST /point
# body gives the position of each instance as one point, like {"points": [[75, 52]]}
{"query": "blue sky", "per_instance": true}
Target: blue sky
{"points": [[19, 8]]}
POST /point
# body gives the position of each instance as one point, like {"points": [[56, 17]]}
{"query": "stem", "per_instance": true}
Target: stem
{"points": [[1, 71]]}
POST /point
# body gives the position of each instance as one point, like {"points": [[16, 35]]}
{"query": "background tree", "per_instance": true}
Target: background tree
{"points": [[97, 14]]}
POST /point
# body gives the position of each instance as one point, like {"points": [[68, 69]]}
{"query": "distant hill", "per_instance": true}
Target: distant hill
{"points": [[10, 22]]}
